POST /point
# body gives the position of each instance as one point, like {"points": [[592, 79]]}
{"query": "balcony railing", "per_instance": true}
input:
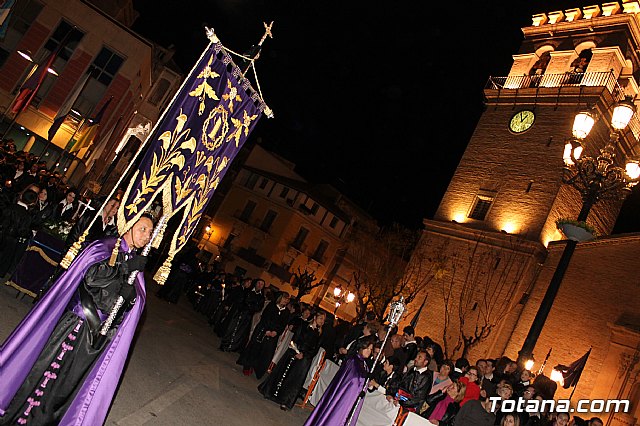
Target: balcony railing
{"points": [[606, 79], [594, 79], [251, 256]]}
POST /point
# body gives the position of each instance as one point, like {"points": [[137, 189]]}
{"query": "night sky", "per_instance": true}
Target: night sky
{"points": [[377, 99]]}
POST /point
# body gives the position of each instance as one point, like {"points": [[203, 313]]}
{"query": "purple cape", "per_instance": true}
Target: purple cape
{"points": [[22, 348], [336, 402]]}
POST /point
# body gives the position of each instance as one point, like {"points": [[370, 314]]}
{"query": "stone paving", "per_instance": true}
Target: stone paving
{"points": [[175, 374]]}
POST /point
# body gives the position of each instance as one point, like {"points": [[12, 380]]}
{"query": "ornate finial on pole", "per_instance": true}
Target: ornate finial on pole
{"points": [[396, 310], [211, 35], [267, 32]]}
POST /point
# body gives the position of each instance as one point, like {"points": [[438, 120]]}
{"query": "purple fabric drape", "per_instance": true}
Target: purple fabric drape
{"points": [[336, 402], [21, 349]]}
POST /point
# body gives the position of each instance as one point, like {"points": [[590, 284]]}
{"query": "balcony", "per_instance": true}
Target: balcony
{"points": [[281, 272], [251, 256], [552, 86]]}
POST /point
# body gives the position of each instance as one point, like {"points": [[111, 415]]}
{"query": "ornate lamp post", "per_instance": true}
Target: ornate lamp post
{"points": [[596, 178]]}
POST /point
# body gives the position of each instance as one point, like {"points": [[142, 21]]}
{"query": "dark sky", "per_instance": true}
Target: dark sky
{"points": [[377, 98]]}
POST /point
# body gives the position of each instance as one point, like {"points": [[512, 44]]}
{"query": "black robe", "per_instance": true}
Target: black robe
{"points": [[258, 354], [285, 381], [71, 349], [237, 334], [230, 304], [15, 232]]}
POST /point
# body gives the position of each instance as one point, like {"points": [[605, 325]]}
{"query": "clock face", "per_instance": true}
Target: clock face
{"points": [[522, 121]]}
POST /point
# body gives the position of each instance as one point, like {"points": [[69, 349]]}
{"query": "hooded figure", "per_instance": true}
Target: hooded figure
{"points": [[57, 367]]}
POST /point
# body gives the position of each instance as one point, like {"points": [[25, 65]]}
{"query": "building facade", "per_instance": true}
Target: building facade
{"points": [[272, 223], [94, 39], [494, 234]]}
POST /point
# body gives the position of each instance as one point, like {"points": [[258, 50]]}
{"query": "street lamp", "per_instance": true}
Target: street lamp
{"points": [[342, 297], [596, 178]]}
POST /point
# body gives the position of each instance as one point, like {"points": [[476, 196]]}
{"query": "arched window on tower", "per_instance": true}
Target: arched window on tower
{"points": [[579, 67], [538, 69]]}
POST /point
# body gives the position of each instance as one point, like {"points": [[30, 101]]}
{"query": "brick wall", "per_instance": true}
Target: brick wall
{"points": [[599, 287]]}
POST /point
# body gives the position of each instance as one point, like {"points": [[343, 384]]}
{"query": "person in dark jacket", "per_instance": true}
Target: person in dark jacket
{"points": [[103, 226], [65, 209], [42, 210], [415, 385], [235, 338], [264, 339], [15, 231]]}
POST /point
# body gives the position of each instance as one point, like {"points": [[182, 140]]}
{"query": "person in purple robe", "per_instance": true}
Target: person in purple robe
{"points": [[57, 367], [336, 403]]}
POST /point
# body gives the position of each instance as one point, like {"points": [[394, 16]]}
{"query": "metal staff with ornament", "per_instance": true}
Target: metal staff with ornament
{"points": [[106, 325], [396, 310]]}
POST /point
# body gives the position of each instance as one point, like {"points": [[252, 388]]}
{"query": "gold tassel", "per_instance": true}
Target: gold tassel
{"points": [[163, 272], [114, 253], [73, 251]]}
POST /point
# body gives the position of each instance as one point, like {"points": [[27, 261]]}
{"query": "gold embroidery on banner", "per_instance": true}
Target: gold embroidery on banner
{"points": [[170, 156], [42, 254], [241, 127], [232, 95], [219, 120], [204, 90]]}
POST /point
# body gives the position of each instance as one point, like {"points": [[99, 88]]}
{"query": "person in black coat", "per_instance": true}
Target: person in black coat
{"points": [[415, 384], [15, 231], [65, 209], [285, 381], [389, 377], [237, 333], [257, 356], [42, 210], [103, 226]]}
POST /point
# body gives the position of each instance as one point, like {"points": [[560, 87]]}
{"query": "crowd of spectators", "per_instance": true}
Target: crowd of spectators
{"points": [[269, 328]]}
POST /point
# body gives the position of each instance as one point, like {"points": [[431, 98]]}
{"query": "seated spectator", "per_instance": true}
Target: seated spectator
{"points": [[445, 410], [442, 379], [510, 419], [389, 378], [460, 368], [475, 413], [470, 379]]}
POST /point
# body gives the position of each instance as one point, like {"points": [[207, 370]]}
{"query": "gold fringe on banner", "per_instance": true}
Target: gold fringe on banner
{"points": [[163, 272], [114, 253], [73, 251]]}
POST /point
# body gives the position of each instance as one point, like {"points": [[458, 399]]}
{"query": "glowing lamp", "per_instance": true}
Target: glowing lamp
{"points": [[633, 169], [529, 364], [622, 114], [582, 124], [52, 71], [557, 377], [25, 54], [509, 228], [208, 229], [350, 297], [337, 291]]}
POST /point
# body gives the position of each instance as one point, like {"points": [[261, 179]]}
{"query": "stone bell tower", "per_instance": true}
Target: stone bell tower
{"points": [[490, 232]]}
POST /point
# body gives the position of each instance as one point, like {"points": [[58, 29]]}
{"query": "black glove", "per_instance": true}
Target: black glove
{"points": [[136, 263], [128, 293]]}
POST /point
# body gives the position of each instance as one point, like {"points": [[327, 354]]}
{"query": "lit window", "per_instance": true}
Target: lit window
{"points": [[482, 204]]}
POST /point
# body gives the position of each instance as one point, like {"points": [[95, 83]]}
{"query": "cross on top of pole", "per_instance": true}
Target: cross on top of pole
{"points": [[267, 32]]}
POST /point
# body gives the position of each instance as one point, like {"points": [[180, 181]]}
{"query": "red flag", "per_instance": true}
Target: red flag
{"points": [[30, 87]]}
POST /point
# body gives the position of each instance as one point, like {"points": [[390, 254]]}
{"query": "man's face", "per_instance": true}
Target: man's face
{"points": [[421, 360], [525, 376], [529, 392], [489, 368], [562, 419], [396, 341], [141, 232], [482, 366]]}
